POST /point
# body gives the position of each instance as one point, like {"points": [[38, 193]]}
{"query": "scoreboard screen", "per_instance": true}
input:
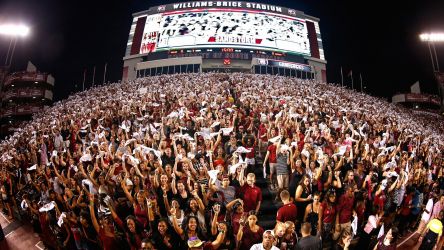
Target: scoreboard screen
{"points": [[223, 28]]}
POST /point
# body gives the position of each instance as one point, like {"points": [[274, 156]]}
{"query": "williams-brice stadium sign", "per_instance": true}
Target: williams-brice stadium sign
{"points": [[222, 4]]}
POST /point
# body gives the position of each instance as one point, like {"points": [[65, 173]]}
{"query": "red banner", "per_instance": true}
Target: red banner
{"points": [[416, 98]]}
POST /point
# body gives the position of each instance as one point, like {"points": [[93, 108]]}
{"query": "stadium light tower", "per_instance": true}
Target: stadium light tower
{"points": [[431, 39], [14, 31]]}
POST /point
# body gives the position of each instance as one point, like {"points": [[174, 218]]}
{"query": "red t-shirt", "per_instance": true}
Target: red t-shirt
{"points": [[380, 200], [262, 131], [405, 209], [235, 218], [328, 214], [301, 141], [252, 196], [360, 210], [251, 154], [108, 243], [272, 155], [287, 212], [250, 238], [345, 208]]}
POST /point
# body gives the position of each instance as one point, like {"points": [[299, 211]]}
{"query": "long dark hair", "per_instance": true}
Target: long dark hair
{"points": [[330, 192], [131, 236], [395, 235], [164, 220], [301, 182], [185, 227]]}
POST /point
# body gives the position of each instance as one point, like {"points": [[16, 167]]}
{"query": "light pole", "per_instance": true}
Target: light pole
{"points": [[431, 39], [14, 31]]}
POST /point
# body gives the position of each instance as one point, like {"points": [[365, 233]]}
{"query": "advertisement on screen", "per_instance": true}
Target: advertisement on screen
{"points": [[283, 64], [217, 28]]}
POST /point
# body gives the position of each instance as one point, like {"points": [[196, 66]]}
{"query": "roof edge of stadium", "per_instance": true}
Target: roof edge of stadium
{"points": [[316, 19], [140, 13], [301, 13]]}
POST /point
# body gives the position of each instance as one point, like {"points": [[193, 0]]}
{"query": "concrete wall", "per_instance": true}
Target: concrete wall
{"points": [[169, 62], [131, 63], [219, 64], [318, 66], [398, 98]]}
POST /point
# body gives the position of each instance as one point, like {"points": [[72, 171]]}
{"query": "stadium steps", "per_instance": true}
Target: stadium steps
{"points": [[268, 209]]}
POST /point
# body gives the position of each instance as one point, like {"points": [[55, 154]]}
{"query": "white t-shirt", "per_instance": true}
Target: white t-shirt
{"points": [[180, 220], [426, 216], [259, 246]]}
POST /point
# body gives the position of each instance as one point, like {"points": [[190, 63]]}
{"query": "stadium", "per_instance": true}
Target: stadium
{"points": [[224, 36], [222, 134]]}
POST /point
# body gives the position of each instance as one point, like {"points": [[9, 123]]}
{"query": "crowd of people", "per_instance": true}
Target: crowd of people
{"points": [[171, 161]]}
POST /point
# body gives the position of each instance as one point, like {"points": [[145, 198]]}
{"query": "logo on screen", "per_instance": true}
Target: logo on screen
{"points": [[161, 8], [292, 12]]}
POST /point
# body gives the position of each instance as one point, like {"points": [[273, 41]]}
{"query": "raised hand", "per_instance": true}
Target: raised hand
{"points": [[173, 211], [216, 208]]}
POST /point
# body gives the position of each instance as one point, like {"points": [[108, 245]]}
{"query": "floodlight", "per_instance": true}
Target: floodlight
{"points": [[432, 37], [14, 29]]}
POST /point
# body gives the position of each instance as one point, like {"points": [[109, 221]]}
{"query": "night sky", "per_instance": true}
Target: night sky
{"points": [[369, 37]]}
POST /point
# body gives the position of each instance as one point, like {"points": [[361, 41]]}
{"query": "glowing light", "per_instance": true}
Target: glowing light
{"points": [[432, 37], [14, 30]]}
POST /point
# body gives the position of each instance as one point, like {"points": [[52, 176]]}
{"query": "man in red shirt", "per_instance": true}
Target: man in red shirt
{"points": [[271, 157], [252, 195], [262, 137], [288, 211], [344, 213]]}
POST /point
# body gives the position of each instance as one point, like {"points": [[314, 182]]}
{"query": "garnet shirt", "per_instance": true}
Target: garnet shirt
{"points": [[287, 212], [251, 196]]}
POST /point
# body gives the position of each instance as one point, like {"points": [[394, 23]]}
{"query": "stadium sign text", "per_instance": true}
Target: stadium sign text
{"points": [[283, 64], [233, 4]]}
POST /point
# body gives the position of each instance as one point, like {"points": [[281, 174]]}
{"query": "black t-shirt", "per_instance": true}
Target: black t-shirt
{"points": [[345, 168], [295, 178], [309, 243], [65, 134], [91, 235], [168, 160], [161, 204], [441, 182], [183, 202], [174, 240]]}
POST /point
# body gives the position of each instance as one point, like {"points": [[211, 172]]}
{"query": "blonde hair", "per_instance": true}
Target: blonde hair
{"points": [[289, 224], [278, 226], [252, 175]]}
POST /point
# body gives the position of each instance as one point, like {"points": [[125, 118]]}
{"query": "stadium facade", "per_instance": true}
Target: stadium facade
{"points": [[224, 36], [23, 94]]}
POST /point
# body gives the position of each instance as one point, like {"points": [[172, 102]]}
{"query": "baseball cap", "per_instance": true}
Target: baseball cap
{"points": [[194, 242], [268, 231]]}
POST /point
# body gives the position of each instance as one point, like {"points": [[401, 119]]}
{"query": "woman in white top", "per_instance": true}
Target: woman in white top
{"points": [[180, 215], [426, 216]]}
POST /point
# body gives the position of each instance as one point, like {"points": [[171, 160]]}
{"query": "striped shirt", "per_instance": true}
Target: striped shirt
{"points": [[281, 164]]}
